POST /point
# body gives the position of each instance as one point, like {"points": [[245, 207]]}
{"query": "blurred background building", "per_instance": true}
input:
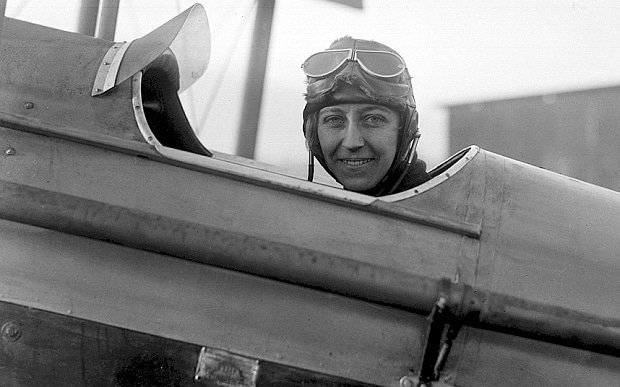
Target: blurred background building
{"points": [[575, 133]]}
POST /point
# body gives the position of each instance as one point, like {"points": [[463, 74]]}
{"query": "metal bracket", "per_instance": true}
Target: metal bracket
{"points": [[108, 69], [442, 330], [444, 325]]}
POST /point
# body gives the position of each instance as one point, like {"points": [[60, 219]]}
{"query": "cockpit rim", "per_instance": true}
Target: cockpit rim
{"points": [[263, 172]]}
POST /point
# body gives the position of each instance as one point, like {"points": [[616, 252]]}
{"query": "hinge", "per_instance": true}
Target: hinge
{"points": [[108, 68]]}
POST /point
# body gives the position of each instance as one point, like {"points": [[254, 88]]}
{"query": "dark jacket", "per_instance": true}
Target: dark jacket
{"points": [[415, 175]]}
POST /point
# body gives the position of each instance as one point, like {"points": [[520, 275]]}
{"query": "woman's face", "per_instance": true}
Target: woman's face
{"points": [[358, 142]]}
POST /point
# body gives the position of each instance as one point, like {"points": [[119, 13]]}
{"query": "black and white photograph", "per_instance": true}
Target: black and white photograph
{"points": [[399, 193]]}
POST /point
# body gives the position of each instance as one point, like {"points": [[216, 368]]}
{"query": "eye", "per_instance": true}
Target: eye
{"points": [[333, 120], [374, 119]]}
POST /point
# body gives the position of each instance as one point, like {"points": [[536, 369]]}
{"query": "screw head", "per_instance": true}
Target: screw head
{"points": [[406, 381], [11, 331], [28, 105], [10, 151]]}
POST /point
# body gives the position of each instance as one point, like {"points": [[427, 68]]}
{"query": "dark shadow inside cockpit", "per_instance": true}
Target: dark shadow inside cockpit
{"points": [[163, 109]]}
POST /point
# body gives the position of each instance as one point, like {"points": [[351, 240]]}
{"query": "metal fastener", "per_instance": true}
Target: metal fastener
{"points": [[407, 381], [11, 331], [10, 151], [28, 105]]}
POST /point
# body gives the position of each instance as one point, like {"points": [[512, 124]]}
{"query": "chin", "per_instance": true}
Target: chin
{"points": [[358, 186]]}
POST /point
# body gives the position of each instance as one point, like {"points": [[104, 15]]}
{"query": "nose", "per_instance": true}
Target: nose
{"points": [[353, 138]]}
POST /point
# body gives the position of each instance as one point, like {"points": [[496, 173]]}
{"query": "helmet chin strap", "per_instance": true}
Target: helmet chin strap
{"points": [[310, 165], [412, 148]]}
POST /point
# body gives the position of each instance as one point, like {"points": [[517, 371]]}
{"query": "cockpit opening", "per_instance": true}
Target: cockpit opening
{"points": [[163, 109]]}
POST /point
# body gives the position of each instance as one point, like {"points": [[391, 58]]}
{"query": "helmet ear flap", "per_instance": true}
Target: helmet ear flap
{"points": [[410, 135], [406, 152], [413, 121], [310, 129]]}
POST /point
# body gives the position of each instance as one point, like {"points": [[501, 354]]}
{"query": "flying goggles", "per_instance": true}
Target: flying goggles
{"points": [[381, 64]]}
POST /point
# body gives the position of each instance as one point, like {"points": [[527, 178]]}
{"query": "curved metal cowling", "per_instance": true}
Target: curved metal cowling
{"points": [[222, 252], [48, 77], [544, 236]]}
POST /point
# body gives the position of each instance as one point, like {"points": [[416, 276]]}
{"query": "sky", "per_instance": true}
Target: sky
{"points": [[457, 52]]}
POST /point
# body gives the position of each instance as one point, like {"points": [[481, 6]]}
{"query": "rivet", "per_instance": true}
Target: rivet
{"points": [[406, 381], [98, 90], [28, 105], [150, 138], [442, 302], [11, 331], [10, 151], [106, 63]]}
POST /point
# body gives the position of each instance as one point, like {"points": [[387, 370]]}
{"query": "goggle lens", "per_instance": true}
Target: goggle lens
{"points": [[383, 64], [380, 64], [326, 62]]}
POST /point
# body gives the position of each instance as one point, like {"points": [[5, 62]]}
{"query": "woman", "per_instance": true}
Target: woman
{"points": [[360, 119]]}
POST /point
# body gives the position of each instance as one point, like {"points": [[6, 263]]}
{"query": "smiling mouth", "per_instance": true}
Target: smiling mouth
{"points": [[355, 162]]}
